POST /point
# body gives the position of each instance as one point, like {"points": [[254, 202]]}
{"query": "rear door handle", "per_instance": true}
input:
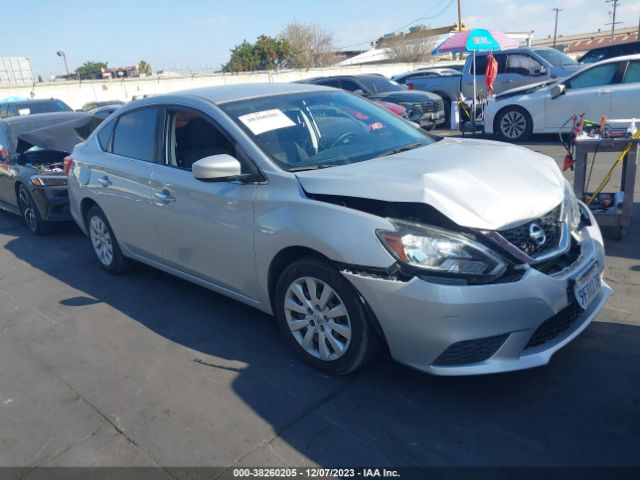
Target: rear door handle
{"points": [[164, 196], [603, 92], [105, 182]]}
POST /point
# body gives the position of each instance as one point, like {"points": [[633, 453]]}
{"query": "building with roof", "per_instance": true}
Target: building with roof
{"points": [[576, 45]]}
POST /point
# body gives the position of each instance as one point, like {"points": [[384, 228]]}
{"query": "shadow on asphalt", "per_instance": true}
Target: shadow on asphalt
{"points": [[581, 410]]}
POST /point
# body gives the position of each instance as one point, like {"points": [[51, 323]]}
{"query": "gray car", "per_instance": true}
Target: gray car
{"points": [[356, 229]]}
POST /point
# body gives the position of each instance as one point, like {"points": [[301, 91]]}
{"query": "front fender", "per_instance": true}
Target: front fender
{"points": [[285, 217]]}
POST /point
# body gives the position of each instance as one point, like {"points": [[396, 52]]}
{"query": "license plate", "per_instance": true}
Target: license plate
{"points": [[587, 286], [435, 116]]}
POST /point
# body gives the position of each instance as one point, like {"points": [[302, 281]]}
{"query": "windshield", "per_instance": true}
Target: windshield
{"points": [[380, 84], [323, 129], [556, 58]]}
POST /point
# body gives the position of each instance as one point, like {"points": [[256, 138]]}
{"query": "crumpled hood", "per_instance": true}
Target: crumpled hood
{"points": [[476, 183]]}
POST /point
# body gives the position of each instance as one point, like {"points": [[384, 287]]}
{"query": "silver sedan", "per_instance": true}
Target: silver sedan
{"points": [[356, 229]]}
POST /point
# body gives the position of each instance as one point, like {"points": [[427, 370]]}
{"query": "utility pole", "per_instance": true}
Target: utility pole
{"points": [[555, 28], [459, 16], [613, 17]]}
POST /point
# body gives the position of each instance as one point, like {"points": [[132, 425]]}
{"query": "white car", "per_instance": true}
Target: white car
{"points": [[610, 87]]}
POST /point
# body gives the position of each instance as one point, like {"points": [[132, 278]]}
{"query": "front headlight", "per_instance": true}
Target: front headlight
{"points": [[440, 251], [49, 181], [570, 210]]}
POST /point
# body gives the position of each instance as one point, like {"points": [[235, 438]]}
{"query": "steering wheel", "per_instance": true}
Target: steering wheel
{"points": [[344, 139]]}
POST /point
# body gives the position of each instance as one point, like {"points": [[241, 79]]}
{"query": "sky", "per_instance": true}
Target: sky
{"points": [[198, 34]]}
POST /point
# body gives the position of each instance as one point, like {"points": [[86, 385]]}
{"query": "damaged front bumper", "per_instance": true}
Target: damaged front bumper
{"points": [[476, 329], [52, 203]]}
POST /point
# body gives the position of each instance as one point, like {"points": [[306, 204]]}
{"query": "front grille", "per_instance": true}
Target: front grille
{"points": [[521, 238], [470, 351], [431, 106], [562, 262], [559, 323]]}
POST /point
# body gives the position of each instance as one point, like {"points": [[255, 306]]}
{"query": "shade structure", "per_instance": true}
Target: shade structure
{"points": [[476, 40]]}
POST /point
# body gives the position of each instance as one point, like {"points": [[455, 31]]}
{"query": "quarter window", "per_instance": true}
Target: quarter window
{"points": [[104, 135], [135, 134], [596, 76]]}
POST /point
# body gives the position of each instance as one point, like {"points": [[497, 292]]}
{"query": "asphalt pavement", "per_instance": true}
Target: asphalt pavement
{"points": [[145, 369]]}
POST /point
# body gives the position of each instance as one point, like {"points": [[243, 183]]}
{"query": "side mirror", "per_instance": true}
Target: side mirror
{"points": [[557, 90], [537, 71], [359, 92], [216, 168]]}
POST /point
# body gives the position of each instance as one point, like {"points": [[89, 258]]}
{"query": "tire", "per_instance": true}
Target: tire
{"points": [[447, 112], [336, 317], [30, 212], [104, 243], [513, 124]]}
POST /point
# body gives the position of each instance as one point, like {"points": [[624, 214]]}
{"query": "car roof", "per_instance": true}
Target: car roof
{"points": [[365, 76], [229, 93], [635, 56], [617, 45], [31, 100]]}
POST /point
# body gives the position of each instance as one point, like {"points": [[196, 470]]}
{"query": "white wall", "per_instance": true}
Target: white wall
{"points": [[77, 93]]}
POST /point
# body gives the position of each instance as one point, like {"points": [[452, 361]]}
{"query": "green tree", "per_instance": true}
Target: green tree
{"points": [[267, 53], [144, 68], [91, 69]]}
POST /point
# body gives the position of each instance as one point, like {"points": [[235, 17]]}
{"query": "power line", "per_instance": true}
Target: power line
{"points": [[408, 24]]}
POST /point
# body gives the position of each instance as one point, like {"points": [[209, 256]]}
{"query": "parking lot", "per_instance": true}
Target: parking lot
{"points": [[145, 369]]}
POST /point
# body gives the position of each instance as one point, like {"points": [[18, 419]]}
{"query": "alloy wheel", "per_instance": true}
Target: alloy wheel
{"points": [[27, 210], [101, 240], [513, 124], [317, 318]]}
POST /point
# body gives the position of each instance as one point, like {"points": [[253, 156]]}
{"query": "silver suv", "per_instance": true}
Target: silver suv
{"points": [[352, 226]]}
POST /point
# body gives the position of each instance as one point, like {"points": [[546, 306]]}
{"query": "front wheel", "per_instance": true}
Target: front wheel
{"points": [[513, 124], [30, 212], [323, 319]]}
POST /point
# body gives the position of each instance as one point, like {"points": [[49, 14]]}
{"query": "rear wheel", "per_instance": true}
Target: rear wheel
{"points": [[513, 124], [104, 242], [323, 318], [30, 212]]}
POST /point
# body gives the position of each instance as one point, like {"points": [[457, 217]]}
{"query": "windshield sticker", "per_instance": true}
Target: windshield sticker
{"points": [[265, 121], [24, 111]]}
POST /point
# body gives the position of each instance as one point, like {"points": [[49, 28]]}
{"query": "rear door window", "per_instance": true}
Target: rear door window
{"points": [[350, 85], [135, 135], [632, 75], [481, 63], [330, 83], [596, 76]]}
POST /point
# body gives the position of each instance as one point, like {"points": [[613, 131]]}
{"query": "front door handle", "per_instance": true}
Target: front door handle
{"points": [[164, 196], [603, 92], [105, 182]]}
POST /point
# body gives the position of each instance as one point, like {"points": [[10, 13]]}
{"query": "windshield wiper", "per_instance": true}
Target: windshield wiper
{"points": [[314, 167], [402, 149]]}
